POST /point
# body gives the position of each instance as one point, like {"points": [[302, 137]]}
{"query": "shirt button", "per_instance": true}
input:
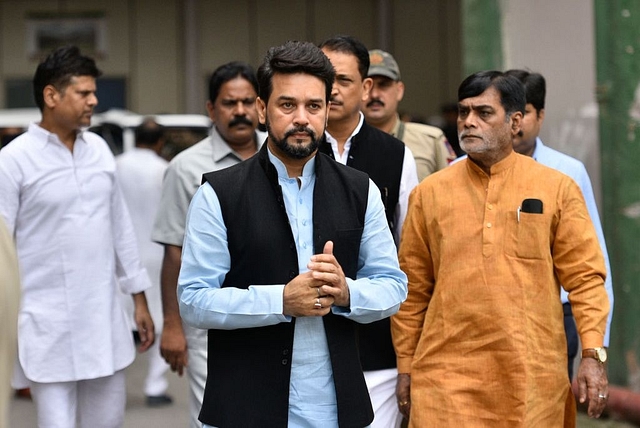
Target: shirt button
{"points": [[489, 225], [489, 206]]}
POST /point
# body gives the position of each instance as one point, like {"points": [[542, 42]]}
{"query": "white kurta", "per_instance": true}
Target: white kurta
{"points": [[73, 235], [140, 173]]}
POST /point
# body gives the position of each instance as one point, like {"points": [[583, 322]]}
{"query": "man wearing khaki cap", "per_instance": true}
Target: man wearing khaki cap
{"points": [[427, 143]]}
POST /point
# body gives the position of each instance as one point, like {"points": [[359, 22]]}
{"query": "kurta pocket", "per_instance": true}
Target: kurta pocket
{"points": [[529, 237]]}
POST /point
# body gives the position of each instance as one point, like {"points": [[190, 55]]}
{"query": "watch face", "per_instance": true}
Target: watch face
{"points": [[602, 354]]}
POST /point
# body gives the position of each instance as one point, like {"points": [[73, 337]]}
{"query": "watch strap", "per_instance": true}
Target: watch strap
{"points": [[593, 353]]}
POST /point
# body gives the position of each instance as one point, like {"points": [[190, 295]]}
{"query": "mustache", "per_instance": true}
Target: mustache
{"points": [[464, 134], [375, 101], [300, 130], [240, 120]]}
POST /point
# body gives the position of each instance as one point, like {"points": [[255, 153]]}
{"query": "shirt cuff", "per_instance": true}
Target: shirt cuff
{"points": [[135, 284], [592, 340], [167, 238], [354, 296], [404, 365]]}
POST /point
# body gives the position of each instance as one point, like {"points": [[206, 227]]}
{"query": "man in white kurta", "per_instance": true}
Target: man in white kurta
{"points": [[61, 202]]}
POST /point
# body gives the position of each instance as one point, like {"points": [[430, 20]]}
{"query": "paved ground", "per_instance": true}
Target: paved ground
{"points": [[138, 415], [22, 412], [585, 422]]}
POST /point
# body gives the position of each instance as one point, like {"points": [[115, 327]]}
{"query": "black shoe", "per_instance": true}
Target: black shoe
{"points": [[159, 400]]}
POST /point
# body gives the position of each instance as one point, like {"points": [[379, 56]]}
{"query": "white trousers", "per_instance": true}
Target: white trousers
{"points": [[92, 403], [382, 390], [196, 370], [156, 382]]}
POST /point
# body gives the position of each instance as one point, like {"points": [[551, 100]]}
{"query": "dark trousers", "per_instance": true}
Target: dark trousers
{"points": [[571, 332]]}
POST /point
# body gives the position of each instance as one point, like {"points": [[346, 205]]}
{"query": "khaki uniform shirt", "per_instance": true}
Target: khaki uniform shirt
{"points": [[481, 332], [428, 145]]}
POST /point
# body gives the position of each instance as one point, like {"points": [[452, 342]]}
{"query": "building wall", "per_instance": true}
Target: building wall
{"points": [[166, 49], [142, 46], [155, 56]]}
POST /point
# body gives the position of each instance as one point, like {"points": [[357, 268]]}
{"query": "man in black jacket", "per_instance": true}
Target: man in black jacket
{"points": [[391, 166], [283, 254]]}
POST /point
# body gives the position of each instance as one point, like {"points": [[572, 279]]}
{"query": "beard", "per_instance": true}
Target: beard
{"points": [[295, 151], [486, 143]]}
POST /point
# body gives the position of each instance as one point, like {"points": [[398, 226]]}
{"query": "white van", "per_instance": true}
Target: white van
{"points": [[117, 127], [14, 122]]}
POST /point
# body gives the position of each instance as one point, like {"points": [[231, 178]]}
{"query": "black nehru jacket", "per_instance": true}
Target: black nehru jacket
{"points": [[249, 369], [380, 155]]}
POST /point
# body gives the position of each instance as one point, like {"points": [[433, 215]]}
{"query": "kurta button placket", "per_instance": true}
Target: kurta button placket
{"points": [[488, 235]]}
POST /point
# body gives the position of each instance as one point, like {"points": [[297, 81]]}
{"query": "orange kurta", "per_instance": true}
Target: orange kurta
{"points": [[481, 331]]}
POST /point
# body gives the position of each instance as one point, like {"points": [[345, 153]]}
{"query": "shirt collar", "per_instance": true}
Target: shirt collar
{"points": [[46, 137], [497, 168], [396, 128], [355, 132], [221, 149], [307, 171], [536, 150]]}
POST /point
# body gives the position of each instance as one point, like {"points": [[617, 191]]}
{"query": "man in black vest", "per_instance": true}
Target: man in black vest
{"points": [[391, 166], [283, 254]]}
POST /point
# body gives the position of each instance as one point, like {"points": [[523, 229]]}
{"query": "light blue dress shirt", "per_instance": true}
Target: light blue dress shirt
{"points": [[377, 291], [576, 170]]}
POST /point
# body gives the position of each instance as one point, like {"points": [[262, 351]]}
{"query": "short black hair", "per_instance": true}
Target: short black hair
{"points": [[511, 90], [230, 71], [295, 57], [535, 87], [350, 45], [58, 68], [149, 132]]}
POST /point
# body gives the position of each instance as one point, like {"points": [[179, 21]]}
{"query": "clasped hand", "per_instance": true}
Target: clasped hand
{"points": [[315, 291]]}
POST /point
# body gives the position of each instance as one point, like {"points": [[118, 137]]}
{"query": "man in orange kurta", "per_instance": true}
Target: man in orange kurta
{"points": [[480, 339]]}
